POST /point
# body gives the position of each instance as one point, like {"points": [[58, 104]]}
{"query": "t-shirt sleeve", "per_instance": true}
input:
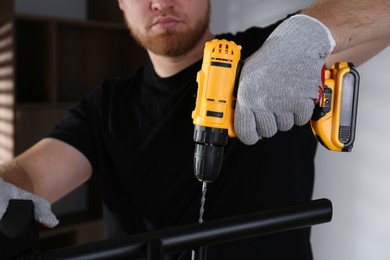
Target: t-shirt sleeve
{"points": [[80, 127]]}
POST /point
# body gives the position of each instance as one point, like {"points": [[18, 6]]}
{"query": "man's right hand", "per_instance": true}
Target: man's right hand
{"points": [[42, 207], [279, 82]]}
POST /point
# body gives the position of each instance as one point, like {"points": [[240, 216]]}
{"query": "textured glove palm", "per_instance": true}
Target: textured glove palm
{"points": [[279, 82], [42, 208]]}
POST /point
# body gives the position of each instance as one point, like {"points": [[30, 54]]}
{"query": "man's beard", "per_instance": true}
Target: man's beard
{"points": [[172, 43]]}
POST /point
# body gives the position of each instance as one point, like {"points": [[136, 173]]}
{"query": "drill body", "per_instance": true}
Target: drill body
{"points": [[215, 103]]}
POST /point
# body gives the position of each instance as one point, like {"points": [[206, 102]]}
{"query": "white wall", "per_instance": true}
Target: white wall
{"points": [[357, 183]]}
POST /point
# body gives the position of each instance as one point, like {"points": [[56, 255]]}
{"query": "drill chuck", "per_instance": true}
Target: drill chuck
{"points": [[209, 149]]}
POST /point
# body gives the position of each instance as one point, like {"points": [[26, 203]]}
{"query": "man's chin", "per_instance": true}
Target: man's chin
{"points": [[168, 44]]}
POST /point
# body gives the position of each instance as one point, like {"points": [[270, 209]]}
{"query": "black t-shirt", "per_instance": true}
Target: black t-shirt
{"points": [[137, 132]]}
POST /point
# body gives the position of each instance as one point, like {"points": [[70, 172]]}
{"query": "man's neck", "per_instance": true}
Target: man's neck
{"points": [[168, 66]]}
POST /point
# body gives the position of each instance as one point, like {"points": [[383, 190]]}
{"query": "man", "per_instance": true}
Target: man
{"points": [[136, 131]]}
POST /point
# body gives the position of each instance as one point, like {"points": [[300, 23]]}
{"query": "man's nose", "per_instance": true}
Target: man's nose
{"points": [[161, 5]]}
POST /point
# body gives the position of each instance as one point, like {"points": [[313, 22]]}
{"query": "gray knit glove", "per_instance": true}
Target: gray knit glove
{"points": [[280, 81], [42, 208]]}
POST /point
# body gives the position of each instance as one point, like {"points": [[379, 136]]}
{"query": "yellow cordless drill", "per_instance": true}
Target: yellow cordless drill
{"points": [[333, 121]]}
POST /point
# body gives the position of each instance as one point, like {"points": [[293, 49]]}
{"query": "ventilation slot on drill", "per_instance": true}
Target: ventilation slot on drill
{"points": [[214, 114]]}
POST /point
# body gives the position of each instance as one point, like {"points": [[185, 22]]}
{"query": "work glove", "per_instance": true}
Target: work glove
{"points": [[280, 81], [42, 208]]}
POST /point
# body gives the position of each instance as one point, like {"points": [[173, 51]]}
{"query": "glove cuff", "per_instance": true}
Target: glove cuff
{"points": [[326, 29]]}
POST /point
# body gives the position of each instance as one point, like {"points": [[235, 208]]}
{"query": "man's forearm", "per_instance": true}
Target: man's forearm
{"points": [[353, 22]]}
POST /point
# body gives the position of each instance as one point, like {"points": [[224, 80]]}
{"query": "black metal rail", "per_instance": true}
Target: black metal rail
{"points": [[153, 244]]}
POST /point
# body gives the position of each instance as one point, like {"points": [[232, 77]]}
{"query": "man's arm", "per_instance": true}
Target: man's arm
{"points": [[358, 54], [353, 22], [360, 28], [50, 169]]}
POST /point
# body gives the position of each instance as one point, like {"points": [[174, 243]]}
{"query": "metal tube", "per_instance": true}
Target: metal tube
{"points": [[155, 250], [209, 233], [199, 253]]}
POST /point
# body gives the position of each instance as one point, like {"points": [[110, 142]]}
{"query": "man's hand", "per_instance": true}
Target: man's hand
{"points": [[280, 81], [42, 208]]}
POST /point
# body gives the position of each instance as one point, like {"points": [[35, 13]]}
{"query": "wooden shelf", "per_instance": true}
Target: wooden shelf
{"points": [[34, 63], [61, 60], [33, 121]]}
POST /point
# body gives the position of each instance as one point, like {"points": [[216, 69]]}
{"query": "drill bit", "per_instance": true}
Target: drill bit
{"points": [[202, 202], [201, 252]]}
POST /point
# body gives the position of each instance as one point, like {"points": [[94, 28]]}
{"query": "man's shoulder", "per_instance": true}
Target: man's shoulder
{"points": [[251, 38]]}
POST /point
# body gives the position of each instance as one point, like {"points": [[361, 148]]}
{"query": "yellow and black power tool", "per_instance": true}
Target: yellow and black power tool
{"points": [[333, 122]]}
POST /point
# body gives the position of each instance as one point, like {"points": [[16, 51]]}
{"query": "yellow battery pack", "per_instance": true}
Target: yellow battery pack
{"points": [[334, 117]]}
